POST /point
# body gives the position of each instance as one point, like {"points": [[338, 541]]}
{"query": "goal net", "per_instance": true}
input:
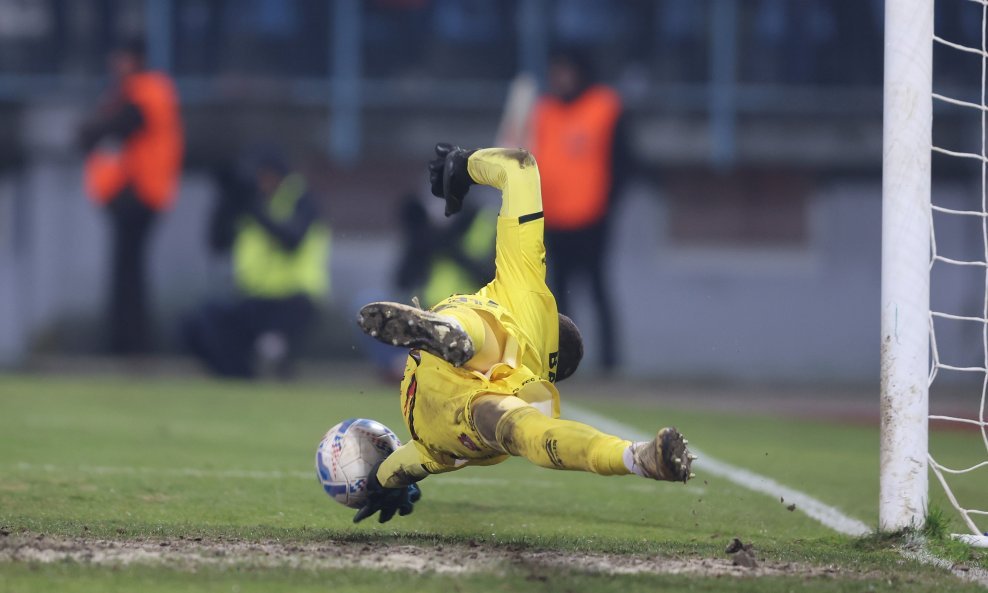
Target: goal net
{"points": [[932, 119]]}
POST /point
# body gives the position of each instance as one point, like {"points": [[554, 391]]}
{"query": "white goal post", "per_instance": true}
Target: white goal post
{"points": [[907, 137], [908, 254]]}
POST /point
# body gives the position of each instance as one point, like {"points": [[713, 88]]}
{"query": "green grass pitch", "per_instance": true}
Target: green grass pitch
{"points": [[175, 463]]}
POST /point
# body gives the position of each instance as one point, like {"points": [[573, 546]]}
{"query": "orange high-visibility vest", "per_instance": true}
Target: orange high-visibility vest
{"points": [[573, 143], [151, 158]]}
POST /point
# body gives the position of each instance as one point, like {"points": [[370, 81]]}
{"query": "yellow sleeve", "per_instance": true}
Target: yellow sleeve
{"points": [[519, 258], [408, 464], [520, 251]]}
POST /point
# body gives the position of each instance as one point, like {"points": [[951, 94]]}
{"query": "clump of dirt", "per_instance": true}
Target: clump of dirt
{"points": [[741, 554], [745, 559], [734, 547], [192, 554]]}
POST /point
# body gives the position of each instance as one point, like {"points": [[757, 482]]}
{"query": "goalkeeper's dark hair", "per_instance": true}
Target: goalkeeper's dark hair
{"points": [[570, 348]]}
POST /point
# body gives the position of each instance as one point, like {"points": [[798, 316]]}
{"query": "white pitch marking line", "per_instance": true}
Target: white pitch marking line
{"points": [[183, 472], [827, 515], [242, 474], [223, 474], [973, 574]]}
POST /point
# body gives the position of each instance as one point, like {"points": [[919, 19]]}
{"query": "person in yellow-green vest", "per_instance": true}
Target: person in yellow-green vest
{"points": [[438, 261], [280, 254]]}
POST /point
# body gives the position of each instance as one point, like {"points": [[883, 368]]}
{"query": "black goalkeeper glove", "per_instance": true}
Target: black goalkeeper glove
{"points": [[387, 500], [448, 176]]}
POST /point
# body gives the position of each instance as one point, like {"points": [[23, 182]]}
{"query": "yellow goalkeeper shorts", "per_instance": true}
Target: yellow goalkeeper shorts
{"points": [[437, 400]]}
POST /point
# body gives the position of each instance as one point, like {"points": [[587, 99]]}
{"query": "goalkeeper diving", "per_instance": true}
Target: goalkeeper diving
{"points": [[479, 382]]}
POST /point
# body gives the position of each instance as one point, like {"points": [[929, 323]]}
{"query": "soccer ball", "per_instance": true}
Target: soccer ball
{"points": [[346, 456]]}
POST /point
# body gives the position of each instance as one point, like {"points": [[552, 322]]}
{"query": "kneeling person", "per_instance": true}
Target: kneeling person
{"points": [[280, 252], [479, 382]]}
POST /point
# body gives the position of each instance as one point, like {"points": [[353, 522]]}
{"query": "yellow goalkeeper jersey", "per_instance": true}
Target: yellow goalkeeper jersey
{"points": [[437, 397]]}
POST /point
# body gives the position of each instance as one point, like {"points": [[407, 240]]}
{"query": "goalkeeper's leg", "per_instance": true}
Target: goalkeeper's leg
{"points": [[459, 334], [511, 425]]}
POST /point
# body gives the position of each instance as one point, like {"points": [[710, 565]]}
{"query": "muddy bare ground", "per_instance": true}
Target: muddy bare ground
{"points": [[446, 559]]}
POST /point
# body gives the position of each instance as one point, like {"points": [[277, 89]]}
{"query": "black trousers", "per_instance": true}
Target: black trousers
{"points": [[576, 253], [131, 223], [222, 334]]}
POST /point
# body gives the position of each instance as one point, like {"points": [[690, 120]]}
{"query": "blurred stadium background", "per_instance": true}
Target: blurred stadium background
{"points": [[749, 249]]}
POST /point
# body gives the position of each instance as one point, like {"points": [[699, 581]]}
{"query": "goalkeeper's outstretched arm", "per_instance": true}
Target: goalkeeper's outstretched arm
{"points": [[520, 252], [408, 464], [392, 488]]}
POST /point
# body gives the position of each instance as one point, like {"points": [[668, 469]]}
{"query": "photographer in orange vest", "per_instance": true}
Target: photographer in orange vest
{"points": [[578, 139], [134, 148]]}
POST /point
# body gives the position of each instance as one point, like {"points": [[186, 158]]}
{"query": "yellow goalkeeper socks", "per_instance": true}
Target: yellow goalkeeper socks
{"points": [[560, 444]]}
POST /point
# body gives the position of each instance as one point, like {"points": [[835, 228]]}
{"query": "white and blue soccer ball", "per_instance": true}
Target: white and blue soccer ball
{"points": [[346, 456]]}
